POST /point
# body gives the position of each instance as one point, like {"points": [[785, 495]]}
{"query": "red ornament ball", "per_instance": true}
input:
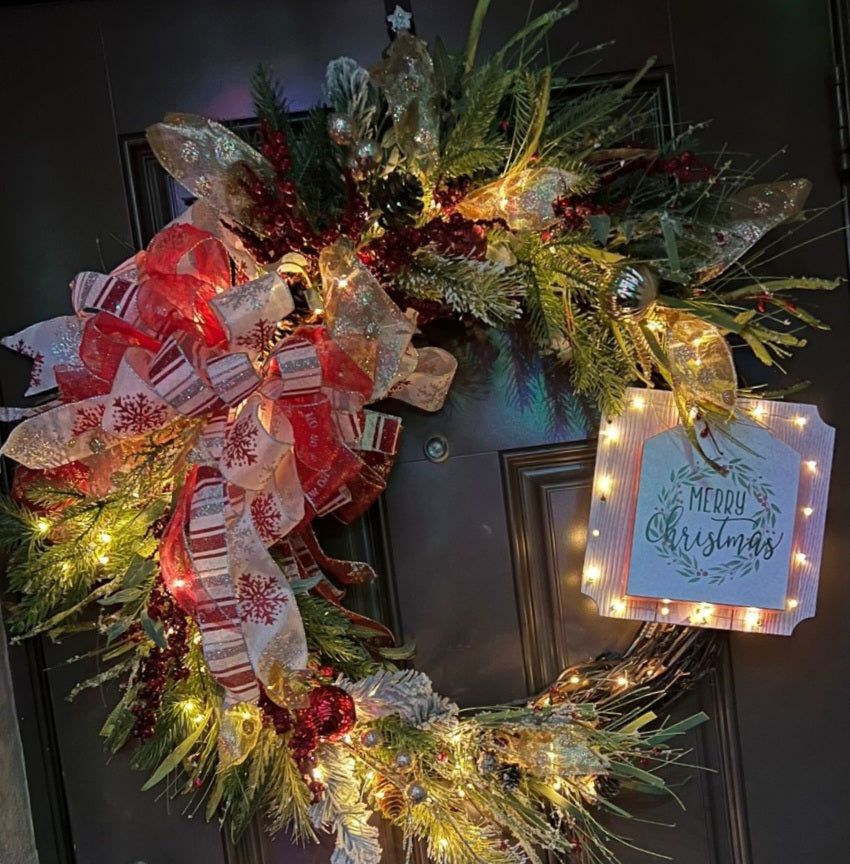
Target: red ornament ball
{"points": [[333, 710]]}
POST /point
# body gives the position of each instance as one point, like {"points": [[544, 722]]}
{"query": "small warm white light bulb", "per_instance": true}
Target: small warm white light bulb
{"points": [[619, 606], [42, 526], [759, 411], [665, 610], [592, 574], [574, 679], [639, 403], [811, 465], [611, 434], [792, 603], [752, 618], [702, 613], [807, 511], [801, 557], [594, 532], [800, 421], [105, 538], [104, 559], [317, 773], [622, 681], [604, 485]]}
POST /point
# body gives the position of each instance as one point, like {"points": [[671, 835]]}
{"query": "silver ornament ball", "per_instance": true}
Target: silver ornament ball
{"points": [[371, 738], [633, 289], [403, 761], [341, 129], [416, 793], [366, 155]]}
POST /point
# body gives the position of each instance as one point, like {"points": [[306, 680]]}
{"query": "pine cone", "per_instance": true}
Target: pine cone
{"points": [[399, 197], [606, 787], [510, 776], [390, 798]]}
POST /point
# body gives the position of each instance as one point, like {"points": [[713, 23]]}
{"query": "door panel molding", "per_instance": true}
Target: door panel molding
{"points": [[533, 479]]}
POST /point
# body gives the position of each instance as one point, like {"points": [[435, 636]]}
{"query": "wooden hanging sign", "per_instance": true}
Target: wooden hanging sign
{"points": [[672, 539]]}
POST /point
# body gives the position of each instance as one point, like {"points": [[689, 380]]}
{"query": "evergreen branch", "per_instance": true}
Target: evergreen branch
{"points": [[475, 116], [488, 291], [268, 99], [532, 134], [331, 637]]}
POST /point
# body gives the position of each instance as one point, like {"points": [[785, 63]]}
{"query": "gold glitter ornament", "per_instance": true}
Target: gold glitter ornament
{"points": [[341, 129], [632, 291], [407, 79]]}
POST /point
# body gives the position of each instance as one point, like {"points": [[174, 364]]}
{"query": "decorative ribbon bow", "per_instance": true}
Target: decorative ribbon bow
{"points": [[283, 434]]}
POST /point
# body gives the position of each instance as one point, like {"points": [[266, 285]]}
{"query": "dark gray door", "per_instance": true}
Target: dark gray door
{"points": [[483, 549]]}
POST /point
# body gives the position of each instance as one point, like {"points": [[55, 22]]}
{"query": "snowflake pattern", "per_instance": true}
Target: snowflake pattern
{"points": [[137, 414], [37, 361], [240, 444], [253, 294], [266, 517], [261, 598], [87, 418], [240, 273], [259, 337]]}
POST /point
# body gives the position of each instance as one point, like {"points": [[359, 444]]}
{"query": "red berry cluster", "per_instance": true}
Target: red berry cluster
{"points": [[455, 236], [161, 664], [329, 716], [285, 228], [275, 208], [449, 196], [685, 167], [573, 211]]}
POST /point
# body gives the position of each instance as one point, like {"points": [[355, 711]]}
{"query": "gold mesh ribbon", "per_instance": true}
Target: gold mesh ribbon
{"points": [[559, 752], [523, 199], [209, 160], [701, 365], [239, 731]]}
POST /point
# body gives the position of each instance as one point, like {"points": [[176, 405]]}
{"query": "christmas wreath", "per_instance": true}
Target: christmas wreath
{"points": [[209, 401]]}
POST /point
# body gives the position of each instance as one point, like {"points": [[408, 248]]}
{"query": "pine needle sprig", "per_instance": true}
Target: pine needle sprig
{"points": [[473, 142], [269, 100], [332, 638], [484, 289], [321, 189]]}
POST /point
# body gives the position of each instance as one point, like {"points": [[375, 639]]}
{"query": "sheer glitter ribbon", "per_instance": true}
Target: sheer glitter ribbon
{"points": [[210, 161], [701, 364], [523, 199]]}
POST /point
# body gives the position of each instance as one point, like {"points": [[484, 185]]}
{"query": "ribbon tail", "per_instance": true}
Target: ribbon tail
{"points": [[701, 365], [306, 557]]}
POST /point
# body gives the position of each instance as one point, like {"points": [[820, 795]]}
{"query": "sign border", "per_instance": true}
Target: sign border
{"points": [[612, 514]]}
